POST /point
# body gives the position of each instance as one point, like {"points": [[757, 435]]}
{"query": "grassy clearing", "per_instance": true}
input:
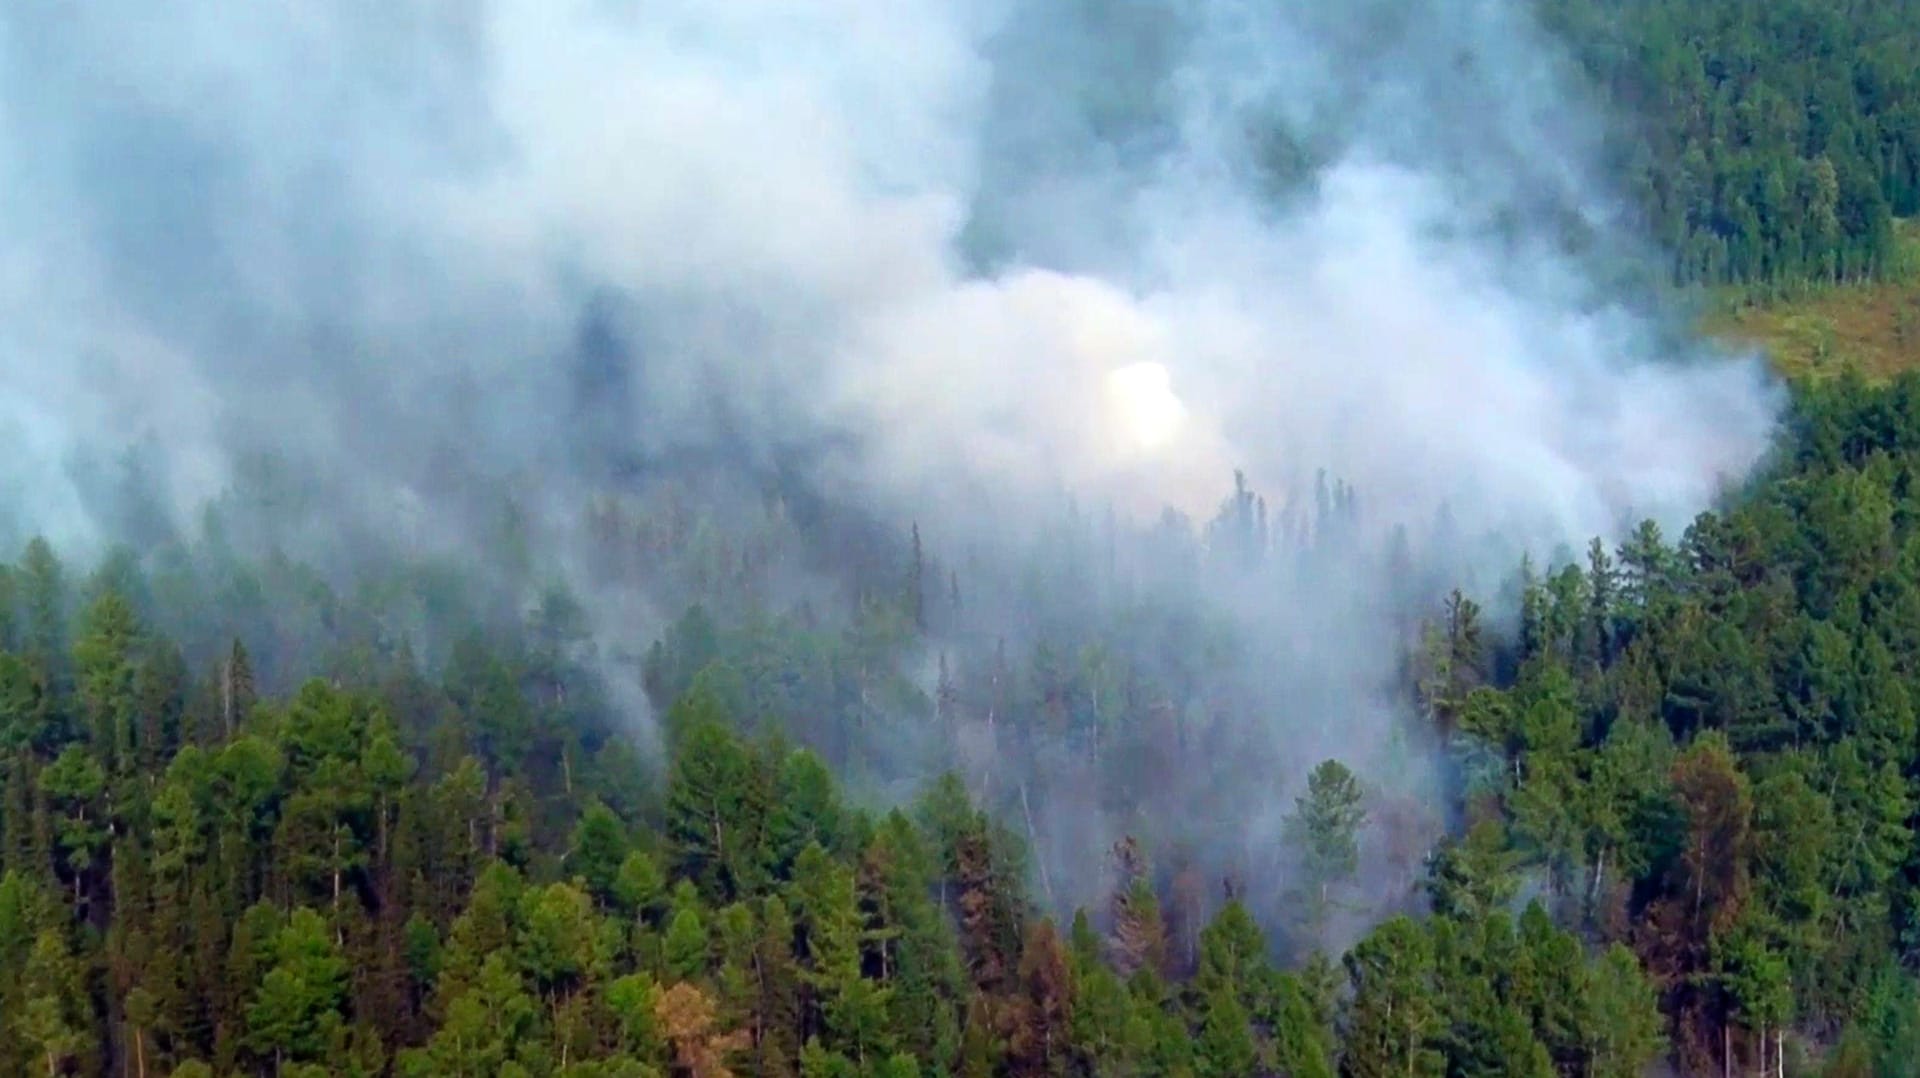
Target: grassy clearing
{"points": [[1873, 328]]}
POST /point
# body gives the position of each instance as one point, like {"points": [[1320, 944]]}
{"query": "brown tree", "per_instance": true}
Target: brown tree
{"points": [[686, 1017], [1038, 1016], [1700, 897], [1139, 930]]}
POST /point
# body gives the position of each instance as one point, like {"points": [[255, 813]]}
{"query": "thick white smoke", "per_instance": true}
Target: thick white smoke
{"points": [[940, 258], [322, 211]]}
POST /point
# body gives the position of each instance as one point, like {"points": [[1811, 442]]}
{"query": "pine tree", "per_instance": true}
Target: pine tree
{"points": [[1139, 931], [295, 1014], [1394, 1016], [1102, 1027], [717, 812], [777, 1003], [1302, 1035], [237, 694], [916, 583], [912, 939], [1324, 829], [1622, 1021], [1224, 1046], [74, 785], [43, 600], [53, 1019], [805, 809], [1038, 1018], [598, 850], [686, 1020], [104, 665], [684, 956]]}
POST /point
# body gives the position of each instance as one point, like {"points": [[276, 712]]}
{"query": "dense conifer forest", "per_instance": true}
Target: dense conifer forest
{"points": [[262, 817], [1686, 785], [1761, 142]]}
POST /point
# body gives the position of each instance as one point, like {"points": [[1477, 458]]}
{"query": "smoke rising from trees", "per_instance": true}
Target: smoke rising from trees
{"points": [[929, 260]]}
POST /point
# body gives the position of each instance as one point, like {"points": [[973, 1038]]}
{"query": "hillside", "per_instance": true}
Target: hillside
{"points": [[1687, 787], [1761, 142], [602, 596]]}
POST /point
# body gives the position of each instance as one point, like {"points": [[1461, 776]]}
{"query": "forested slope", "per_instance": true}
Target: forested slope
{"points": [[1761, 142], [1690, 781], [258, 819]]}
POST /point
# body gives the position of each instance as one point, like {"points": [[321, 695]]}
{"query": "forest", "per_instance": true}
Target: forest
{"points": [[867, 803], [1762, 144], [1685, 787]]}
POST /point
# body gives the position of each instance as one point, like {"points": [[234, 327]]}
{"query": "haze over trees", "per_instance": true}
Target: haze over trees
{"points": [[913, 809], [1685, 793]]}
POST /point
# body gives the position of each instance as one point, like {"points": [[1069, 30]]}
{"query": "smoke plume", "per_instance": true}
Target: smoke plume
{"points": [[934, 260]]}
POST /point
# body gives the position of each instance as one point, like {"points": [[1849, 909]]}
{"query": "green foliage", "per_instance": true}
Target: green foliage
{"points": [[1395, 1022], [1325, 829], [296, 1012], [598, 851], [1767, 144], [717, 809], [334, 895], [1687, 797]]}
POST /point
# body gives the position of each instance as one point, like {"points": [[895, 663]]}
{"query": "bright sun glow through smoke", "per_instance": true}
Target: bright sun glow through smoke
{"points": [[1144, 403]]}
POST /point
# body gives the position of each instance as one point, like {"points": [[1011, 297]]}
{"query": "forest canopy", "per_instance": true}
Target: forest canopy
{"points": [[1761, 143], [862, 801], [1686, 787]]}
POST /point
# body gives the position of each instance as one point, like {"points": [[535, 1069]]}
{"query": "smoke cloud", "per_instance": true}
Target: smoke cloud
{"points": [[931, 259]]}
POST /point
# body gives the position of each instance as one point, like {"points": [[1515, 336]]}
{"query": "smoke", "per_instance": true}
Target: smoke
{"points": [[935, 260]]}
